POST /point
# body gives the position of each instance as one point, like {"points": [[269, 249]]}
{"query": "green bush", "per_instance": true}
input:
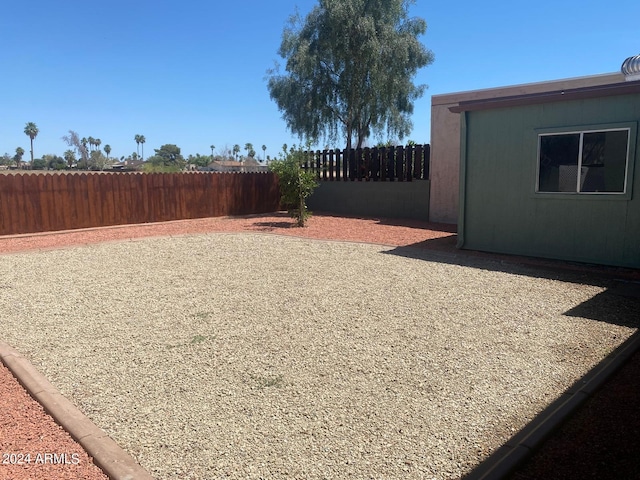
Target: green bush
{"points": [[157, 168], [39, 164], [296, 183]]}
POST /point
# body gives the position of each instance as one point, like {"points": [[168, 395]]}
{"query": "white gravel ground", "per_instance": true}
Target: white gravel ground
{"points": [[258, 356]]}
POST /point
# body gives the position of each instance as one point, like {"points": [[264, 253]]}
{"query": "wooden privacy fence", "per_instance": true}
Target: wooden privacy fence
{"points": [[400, 163], [47, 202]]}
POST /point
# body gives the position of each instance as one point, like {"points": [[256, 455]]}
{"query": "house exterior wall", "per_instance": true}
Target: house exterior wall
{"points": [[445, 136], [500, 211]]}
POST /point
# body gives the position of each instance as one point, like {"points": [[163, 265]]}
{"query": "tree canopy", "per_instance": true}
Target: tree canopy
{"points": [[296, 183], [80, 144], [31, 131], [167, 158], [349, 69]]}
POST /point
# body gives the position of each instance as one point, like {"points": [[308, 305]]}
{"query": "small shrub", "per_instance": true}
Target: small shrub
{"points": [[296, 183]]}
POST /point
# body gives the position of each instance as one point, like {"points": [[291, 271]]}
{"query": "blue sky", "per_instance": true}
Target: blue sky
{"points": [[192, 72]]}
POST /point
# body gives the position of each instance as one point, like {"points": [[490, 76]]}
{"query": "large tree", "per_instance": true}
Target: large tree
{"points": [[17, 158], [250, 151], [137, 139], [349, 70], [142, 140], [6, 159], [70, 158], [97, 161], [168, 157], [74, 140], [31, 131]]}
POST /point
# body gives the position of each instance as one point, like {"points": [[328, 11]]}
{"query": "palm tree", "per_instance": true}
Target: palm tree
{"points": [[107, 150], [142, 140], [236, 150], [18, 156], [264, 152], [31, 131], [70, 157], [92, 142], [137, 139], [84, 142], [97, 142], [212, 147], [248, 147]]}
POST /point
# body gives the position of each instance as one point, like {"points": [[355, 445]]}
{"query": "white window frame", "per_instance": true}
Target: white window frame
{"points": [[631, 138]]}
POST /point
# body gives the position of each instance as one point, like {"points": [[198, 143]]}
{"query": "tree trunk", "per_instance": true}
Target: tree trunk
{"points": [[301, 206]]}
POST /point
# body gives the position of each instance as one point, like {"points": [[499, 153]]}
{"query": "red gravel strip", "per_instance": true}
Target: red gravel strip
{"points": [[379, 231], [29, 439]]}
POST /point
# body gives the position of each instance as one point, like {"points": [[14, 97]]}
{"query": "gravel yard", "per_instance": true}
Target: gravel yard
{"points": [[252, 355]]}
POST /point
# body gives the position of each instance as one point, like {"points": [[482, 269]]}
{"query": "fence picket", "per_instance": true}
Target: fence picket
{"points": [[417, 165], [330, 165]]}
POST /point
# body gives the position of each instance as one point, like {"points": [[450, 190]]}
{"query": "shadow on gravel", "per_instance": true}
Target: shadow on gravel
{"points": [[272, 225], [420, 224], [619, 304], [444, 250]]}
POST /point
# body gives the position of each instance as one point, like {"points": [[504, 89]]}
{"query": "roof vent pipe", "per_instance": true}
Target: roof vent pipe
{"points": [[631, 68]]}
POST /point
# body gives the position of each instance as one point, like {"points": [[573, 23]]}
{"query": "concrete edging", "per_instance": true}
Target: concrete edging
{"points": [[106, 453]]}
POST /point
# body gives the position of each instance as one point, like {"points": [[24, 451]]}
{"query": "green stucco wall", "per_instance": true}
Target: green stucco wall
{"points": [[500, 211], [373, 199]]}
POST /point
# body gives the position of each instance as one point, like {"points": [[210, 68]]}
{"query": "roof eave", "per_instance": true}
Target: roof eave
{"points": [[624, 88]]}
